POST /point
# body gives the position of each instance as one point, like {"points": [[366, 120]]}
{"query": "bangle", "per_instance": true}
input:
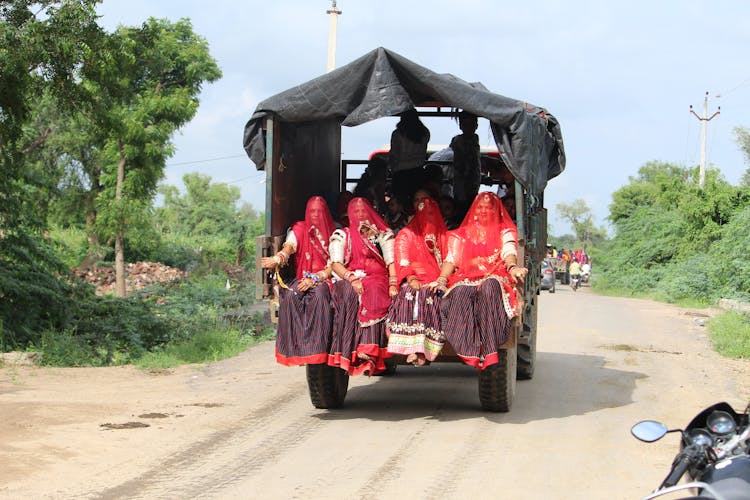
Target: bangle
{"points": [[322, 275], [282, 258], [312, 276], [392, 280], [277, 260], [511, 267]]}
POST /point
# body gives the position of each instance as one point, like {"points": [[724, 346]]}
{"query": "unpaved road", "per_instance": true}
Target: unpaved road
{"points": [[244, 428]]}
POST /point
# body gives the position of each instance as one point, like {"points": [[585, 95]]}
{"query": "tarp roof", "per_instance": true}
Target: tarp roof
{"points": [[382, 83]]}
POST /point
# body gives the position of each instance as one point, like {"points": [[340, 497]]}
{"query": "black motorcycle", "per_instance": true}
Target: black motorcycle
{"points": [[714, 452]]}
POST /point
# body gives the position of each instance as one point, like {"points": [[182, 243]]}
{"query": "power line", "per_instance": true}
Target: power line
{"points": [[205, 161]]}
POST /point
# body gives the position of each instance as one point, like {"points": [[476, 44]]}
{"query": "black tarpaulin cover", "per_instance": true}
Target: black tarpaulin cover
{"points": [[382, 83]]}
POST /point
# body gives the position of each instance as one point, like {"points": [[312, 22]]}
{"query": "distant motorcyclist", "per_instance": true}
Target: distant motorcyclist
{"points": [[575, 273]]}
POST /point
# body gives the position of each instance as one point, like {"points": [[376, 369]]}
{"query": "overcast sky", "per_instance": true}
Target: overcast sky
{"points": [[619, 77]]}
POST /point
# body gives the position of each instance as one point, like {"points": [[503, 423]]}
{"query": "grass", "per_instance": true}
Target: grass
{"points": [[730, 334], [211, 345]]}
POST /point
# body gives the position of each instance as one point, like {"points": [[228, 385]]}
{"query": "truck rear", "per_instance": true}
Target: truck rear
{"points": [[296, 137]]}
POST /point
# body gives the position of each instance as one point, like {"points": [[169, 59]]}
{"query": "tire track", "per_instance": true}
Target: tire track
{"points": [[169, 477]]}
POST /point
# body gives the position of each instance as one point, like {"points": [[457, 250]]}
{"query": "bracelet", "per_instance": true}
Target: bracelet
{"points": [[392, 280], [510, 268], [283, 259], [442, 280], [277, 260], [321, 275], [312, 276]]}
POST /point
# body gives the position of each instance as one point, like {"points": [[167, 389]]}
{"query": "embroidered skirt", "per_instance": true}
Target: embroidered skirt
{"points": [[305, 320], [355, 348], [414, 323], [475, 321]]}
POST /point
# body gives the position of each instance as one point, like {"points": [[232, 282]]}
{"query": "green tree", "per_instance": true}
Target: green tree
{"points": [[42, 46], [581, 219], [742, 135], [144, 87]]}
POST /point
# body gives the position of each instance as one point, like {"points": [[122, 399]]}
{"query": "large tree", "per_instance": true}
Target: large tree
{"points": [[143, 88], [581, 219]]}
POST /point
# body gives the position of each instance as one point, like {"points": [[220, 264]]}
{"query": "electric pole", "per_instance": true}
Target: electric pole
{"points": [[704, 123], [333, 12]]}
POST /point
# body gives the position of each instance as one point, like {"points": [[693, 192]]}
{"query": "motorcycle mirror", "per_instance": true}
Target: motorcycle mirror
{"points": [[649, 430]]}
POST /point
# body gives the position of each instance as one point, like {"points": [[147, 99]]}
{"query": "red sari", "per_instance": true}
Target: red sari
{"points": [[305, 318], [474, 323], [359, 339], [414, 319]]}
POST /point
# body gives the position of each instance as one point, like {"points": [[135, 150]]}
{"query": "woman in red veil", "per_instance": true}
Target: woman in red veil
{"points": [[305, 315], [362, 256], [414, 319], [478, 278]]}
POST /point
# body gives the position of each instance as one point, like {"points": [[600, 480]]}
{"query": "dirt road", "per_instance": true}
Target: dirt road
{"points": [[245, 428]]}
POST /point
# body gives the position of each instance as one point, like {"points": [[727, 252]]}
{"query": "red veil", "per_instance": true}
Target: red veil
{"points": [[312, 236], [420, 246], [366, 256], [477, 244]]}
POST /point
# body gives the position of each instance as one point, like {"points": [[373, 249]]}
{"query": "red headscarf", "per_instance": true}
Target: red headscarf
{"points": [[365, 256], [312, 237], [477, 243], [420, 246]]}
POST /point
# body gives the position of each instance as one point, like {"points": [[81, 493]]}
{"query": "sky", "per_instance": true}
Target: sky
{"points": [[619, 77]]}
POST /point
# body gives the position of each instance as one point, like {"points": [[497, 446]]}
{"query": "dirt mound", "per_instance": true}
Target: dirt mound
{"points": [[138, 276]]}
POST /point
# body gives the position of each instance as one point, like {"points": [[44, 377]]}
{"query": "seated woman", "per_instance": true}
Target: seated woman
{"points": [[477, 279], [305, 315], [414, 318], [362, 255]]}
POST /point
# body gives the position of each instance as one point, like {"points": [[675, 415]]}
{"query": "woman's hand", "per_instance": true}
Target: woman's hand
{"points": [[268, 262], [305, 284], [357, 285], [415, 284], [392, 290], [519, 273]]}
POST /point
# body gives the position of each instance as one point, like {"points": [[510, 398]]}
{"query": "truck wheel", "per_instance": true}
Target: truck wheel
{"points": [[327, 385], [497, 383], [527, 351]]}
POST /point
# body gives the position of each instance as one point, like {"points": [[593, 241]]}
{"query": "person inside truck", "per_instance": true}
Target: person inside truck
{"points": [[372, 184], [362, 256], [478, 279], [448, 209], [467, 162], [396, 217], [305, 317], [414, 317], [407, 155], [342, 202]]}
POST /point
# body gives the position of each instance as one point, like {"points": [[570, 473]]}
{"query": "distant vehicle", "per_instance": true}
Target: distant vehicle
{"points": [[548, 276], [561, 270]]}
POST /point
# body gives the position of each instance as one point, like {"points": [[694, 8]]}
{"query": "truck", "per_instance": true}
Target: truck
{"points": [[296, 138]]}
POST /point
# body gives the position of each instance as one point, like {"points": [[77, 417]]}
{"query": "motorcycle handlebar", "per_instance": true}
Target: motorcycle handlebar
{"points": [[682, 462]]}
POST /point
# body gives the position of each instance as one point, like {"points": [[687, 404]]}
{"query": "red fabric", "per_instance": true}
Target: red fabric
{"points": [[365, 256], [477, 243], [420, 246], [312, 236]]}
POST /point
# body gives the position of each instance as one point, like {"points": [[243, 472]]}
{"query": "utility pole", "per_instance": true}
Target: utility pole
{"points": [[333, 12], [704, 123]]}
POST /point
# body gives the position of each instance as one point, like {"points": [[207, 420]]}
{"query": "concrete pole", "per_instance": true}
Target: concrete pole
{"points": [[704, 126], [333, 12]]}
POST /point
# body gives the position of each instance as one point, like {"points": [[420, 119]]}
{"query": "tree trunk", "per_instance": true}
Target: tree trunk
{"points": [[120, 289]]}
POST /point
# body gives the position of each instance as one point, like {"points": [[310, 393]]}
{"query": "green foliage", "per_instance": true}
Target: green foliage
{"points": [[676, 242], [730, 334], [581, 219]]}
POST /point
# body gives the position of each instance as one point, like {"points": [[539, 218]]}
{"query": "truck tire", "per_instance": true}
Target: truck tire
{"points": [[497, 383], [327, 385], [527, 350]]}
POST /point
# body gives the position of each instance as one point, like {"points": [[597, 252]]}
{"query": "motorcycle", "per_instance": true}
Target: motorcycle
{"points": [[714, 452], [575, 281]]}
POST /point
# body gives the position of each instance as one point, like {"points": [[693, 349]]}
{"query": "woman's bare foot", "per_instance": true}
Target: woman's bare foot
{"points": [[412, 359], [421, 361], [364, 357]]}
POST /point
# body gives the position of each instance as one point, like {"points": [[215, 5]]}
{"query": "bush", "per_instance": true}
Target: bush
{"points": [[730, 334]]}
